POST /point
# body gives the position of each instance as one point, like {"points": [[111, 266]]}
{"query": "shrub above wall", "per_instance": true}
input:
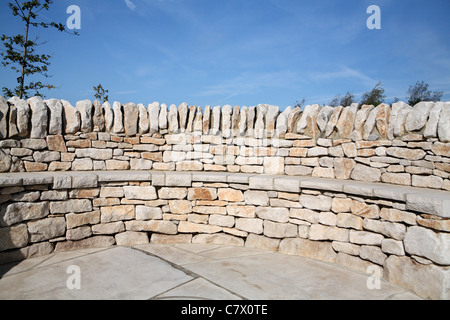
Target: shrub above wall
{"points": [[400, 144]]}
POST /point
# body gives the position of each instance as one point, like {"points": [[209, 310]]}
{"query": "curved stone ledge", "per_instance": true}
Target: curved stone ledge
{"points": [[401, 231]]}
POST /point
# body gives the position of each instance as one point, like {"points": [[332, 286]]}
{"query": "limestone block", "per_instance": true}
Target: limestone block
{"points": [[202, 194], [108, 228], [164, 227], [94, 154], [79, 233], [279, 230], [131, 238], [86, 110], [432, 124], [392, 246], [144, 213], [309, 249], [230, 195], [429, 244], [271, 118], [259, 131], [347, 220], [117, 213], [154, 117], [71, 206], [183, 116], [241, 211], [431, 182], [173, 119], [190, 227], [131, 117], [273, 214], [321, 203], [46, 229], [118, 118], [108, 116], [81, 219], [13, 237], [434, 281], [5, 161], [441, 149], [144, 123], [93, 242], [250, 225], [274, 165], [393, 230], [98, 119], [219, 239], [180, 206], [345, 124], [22, 116], [22, 211], [4, 110], [198, 121], [365, 173], [140, 193], [221, 220], [39, 118], [323, 117], [436, 204], [418, 117], [56, 113], [365, 238], [163, 120], [444, 123], [321, 232], [343, 168]]}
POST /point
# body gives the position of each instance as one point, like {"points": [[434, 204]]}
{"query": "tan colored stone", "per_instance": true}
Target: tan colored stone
{"points": [[164, 227], [157, 238], [279, 230], [396, 178], [441, 149], [341, 205], [364, 210], [180, 206], [93, 242], [82, 219], [320, 232], [108, 228], [202, 194], [230, 195], [241, 211], [347, 220], [309, 249], [395, 215], [298, 152], [117, 213], [189, 227], [131, 238], [219, 239], [261, 242], [56, 143]]}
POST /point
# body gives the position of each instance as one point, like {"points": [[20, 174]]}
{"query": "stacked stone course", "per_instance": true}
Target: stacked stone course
{"points": [[398, 145]]}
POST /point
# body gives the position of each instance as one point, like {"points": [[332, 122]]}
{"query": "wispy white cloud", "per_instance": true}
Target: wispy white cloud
{"points": [[130, 4], [344, 73]]}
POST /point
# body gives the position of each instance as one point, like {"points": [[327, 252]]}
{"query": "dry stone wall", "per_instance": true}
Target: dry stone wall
{"points": [[397, 232], [401, 144]]}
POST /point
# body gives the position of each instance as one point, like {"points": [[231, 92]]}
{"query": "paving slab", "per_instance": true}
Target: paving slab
{"points": [[186, 272]]}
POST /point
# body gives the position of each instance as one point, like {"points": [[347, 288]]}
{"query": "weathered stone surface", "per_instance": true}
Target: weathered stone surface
{"points": [[373, 254], [221, 220], [405, 153], [118, 118], [307, 248], [274, 165], [250, 225], [396, 178], [202, 194], [365, 238], [320, 232], [56, 119], [321, 203], [434, 283], [341, 205], [144, 123], [279, 230], [22, 116], [219, 239], [82, 219], [365, 210], [432, 125], [173, 119], [391, 246], [431, 182], [395, 215], [230, 195], [39, 118], [241, 211], [343, 168], [164, 227], [108, 116], [131, 238], [347, 220], [117, 213], [346, 121], [5, 161], [98, 119], [436, 204], [365, 173], [273, 214], [86, 110], [444, 123], [131, 116], [441, 149], [180, 206], [140, 193], [93, 242], [382, 120], [429, 244], [46, 229], [172, 193], [108, 228], [79, 233], [22, 211], [418, 117], [4, 109], [13, 237], [71, 206], [393, 230], [189, 227]]}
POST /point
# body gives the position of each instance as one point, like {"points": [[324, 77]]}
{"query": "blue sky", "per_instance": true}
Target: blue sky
{"points": [[242, 52]]}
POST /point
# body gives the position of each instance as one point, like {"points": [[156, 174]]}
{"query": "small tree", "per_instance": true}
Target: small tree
{"points": [[101, 94], [419, 92], [344, 101], [20, 50], [374, 97]]}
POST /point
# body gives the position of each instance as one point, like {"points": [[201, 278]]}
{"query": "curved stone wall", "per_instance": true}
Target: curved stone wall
{"points": [[399, 232], [401, 144]]}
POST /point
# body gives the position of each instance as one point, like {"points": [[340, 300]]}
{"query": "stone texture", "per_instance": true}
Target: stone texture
{"points": [[46, 229], [279, 230], [429, 244], [131, 116], [319, 232], [321, 203], [273, 214], [140, 193], [56, 116], [13, 237], [218, 239], [77, 220], [39, 118], [418, 117], [434, 283], [309, 249], [443, 125], [365, 238], [22, 211], [365, 173], [131, 238], [86, 110], [230, 195], [93, 242], [117, 213]]}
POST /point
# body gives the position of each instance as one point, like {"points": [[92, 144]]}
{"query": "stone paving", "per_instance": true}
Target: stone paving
{"points": [[186, 272]]}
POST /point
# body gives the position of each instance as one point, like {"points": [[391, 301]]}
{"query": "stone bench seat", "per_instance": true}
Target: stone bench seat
{"points": [[423, 200], [401, 232]]}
